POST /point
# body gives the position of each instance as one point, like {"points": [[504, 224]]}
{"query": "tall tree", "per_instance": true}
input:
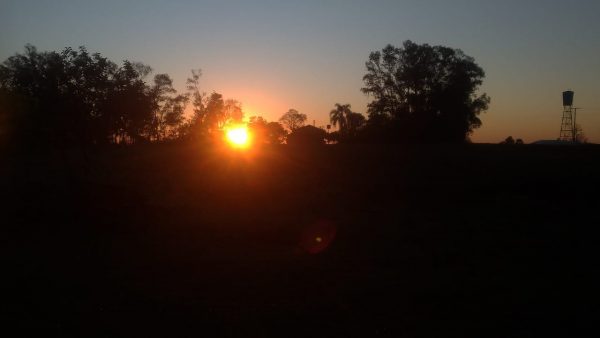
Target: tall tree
{"points": [[349, 122], [276, 134], [266, 132], [160, 92], [209, 114], [354, 121], [426, 92], [232, 111], [168, 108], [293, 120], [258, 128], [132, 108], [338, 115], [197, 97]]}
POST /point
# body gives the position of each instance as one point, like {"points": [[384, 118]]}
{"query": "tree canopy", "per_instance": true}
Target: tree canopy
{"points": [[348, 121], [423, 93], [266, 132], [293, 119], [77, 97]]}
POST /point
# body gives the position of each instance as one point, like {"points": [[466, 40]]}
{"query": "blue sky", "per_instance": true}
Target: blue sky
{"points": [[308, 55]]}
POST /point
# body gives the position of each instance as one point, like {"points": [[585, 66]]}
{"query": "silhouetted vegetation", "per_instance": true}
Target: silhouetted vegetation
{"points": [[420, 93], [348, 121], [509, 140], [77, 98], [293, 119], [423, 93], [266, 132], [74, 97]]}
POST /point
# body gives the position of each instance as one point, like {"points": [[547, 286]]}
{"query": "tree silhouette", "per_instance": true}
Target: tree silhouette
{"points": [[65, 92], [293, 120], [338, 116], [424, 93], [197, 98], [276, 134], [258, 127], [509, 140], [77, 98], [349, 122], [169, 108], [131, 111], [233, 111], [214, 118], [211, 113], [354, 122], [266, 132]]}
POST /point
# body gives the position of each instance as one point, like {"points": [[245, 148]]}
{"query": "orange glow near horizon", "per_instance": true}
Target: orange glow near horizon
{"points": [[238, 136]]}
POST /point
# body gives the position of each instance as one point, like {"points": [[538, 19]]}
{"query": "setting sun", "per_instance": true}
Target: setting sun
{"points": [[238, 136]]}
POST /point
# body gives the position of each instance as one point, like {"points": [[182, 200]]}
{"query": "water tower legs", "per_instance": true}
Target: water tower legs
{"points": [[567, 127]]}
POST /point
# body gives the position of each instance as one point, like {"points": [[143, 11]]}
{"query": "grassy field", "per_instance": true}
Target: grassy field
{"points": [[173, 240]]}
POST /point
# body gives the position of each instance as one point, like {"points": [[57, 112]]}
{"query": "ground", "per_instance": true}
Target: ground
{"points": [[346, 240]]}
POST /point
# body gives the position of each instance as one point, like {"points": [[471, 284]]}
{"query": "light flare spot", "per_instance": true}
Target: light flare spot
{"points": [[318, 236], [238, 136]]}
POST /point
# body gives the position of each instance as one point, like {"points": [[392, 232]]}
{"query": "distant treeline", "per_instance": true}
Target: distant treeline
{"points": [[420, 93]]}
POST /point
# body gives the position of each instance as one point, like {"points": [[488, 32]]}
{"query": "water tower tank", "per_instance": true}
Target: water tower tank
{"points": [[568, 98]]}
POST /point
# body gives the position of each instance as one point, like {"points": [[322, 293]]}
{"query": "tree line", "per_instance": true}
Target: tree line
{"points": [[420, 93]]}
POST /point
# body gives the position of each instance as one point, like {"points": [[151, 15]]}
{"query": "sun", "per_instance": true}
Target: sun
{"points": [[238, 136]]}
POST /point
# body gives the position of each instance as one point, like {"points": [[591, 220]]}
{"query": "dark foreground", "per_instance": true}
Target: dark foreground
{"points": [[170, 241]]}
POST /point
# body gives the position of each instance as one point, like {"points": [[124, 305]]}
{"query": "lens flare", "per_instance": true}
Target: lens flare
{"points": [[318, 236], [238, 137]]}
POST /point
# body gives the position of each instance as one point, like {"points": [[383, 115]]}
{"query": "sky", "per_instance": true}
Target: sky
{"points": [[309, 55]]}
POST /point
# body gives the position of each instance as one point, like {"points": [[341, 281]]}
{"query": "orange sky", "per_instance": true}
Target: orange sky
{"points": [[309, 55]]}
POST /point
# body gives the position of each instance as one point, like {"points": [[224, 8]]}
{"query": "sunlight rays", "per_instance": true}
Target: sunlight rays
{"points": [[238, 137]]}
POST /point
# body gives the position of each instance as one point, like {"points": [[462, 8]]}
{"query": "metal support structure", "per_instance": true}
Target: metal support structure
{"points": [[568, 127]]}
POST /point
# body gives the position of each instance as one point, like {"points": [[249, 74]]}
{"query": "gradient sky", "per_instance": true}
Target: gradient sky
{"points": [[308, 55]]}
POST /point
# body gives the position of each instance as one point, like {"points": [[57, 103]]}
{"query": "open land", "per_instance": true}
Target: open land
{"points": [[343, 240]]}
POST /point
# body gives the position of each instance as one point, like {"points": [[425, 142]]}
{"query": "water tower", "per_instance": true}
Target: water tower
{"points": [[568, 127]]}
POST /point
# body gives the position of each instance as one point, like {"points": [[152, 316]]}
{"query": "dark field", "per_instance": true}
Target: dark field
{"points": [[171, 240]]}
